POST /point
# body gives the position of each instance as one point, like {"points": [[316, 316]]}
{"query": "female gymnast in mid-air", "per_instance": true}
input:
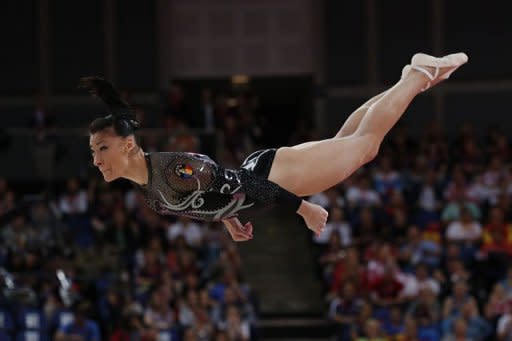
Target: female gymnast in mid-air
{"points": [[193, 185]]}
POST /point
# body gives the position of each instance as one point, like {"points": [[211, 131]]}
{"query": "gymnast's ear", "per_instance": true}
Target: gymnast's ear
{"points": [[130, 143]]}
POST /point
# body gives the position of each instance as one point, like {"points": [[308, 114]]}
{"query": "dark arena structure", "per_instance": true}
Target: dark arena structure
{"points": [[417, 245]]}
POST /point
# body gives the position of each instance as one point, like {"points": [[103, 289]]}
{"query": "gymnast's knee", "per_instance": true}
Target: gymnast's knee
{"points": [[372, 147]]}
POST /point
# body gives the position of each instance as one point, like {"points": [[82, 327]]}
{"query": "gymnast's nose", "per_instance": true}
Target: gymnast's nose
{"points": [[97, 161]]}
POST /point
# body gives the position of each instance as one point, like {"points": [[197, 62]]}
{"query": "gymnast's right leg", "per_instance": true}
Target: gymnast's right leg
{"points": [[351, 123], [316, 166]]}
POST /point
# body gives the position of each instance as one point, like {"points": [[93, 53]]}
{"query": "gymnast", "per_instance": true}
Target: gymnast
{"points": [[193, 185]]}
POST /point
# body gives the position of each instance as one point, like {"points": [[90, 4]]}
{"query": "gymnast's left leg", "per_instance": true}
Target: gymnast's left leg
{"points": [[316, 166]]}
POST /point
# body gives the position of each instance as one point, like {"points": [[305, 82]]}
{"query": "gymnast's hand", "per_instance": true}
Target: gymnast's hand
{"points": [[314, 216], [239, 232]]}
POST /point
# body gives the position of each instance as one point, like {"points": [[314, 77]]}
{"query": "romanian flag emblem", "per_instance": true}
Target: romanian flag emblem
{"points": [[184, 171]]}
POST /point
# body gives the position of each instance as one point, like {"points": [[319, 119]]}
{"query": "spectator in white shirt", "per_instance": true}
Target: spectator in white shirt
{"points": [[425, 281], [466, 232], [504, 328], [328, 199], [192, 231], [74, 200], [362, 194], [336, 224]]}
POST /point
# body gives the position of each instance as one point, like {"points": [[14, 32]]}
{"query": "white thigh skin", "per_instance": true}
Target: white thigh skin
{"points": [[313, 167]]}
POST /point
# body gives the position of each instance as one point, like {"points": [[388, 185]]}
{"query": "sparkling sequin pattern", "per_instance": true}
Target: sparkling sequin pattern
{"points": [[193, 185]]}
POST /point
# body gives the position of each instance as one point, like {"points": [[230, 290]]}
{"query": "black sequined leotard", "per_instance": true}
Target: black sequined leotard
{"points": [[193, 185]]}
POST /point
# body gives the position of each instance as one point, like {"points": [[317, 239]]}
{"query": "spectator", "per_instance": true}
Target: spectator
{"points": [[81, 328], [395, 325], [361, 194], [191, 230], [245, 309], [372, 331], [187, 307], [384, 292], [467, 232], [506, 283], [348, 268], [74, 201], [332, 254], [429, 200], [365, 227], [504, 327], [329, 199], [497, 235], [425, 309], [344, 309], [365, 314], [417, 250], [497, 305], [477, 328], [387, 179], [454, 207], [159, 315], [459, 332], [236, 328], [336, 225], [425, 281], [453, 304]]}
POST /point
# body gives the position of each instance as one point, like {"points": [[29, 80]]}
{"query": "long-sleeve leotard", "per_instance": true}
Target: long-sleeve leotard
{"points": [[193, 185]]}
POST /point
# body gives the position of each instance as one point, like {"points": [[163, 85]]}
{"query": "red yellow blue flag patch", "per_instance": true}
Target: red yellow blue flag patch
{"points": [[184, 171]]}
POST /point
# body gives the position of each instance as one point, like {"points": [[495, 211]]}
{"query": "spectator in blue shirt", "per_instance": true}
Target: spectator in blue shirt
{"points": [[81, 328]]}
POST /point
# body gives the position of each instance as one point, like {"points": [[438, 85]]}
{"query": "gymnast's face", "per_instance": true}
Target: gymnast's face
{"points": [[110, 153]]}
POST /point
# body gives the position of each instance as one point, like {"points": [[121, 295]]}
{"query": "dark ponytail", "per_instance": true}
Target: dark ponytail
{"points": [[120, 115]]}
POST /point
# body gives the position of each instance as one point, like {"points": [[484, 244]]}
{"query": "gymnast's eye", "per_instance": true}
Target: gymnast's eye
{"points": [[102, 148]]}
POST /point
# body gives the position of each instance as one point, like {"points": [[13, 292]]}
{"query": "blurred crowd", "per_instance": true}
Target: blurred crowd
{"points": [[417, 246], [419, 242], [95, 263]]}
